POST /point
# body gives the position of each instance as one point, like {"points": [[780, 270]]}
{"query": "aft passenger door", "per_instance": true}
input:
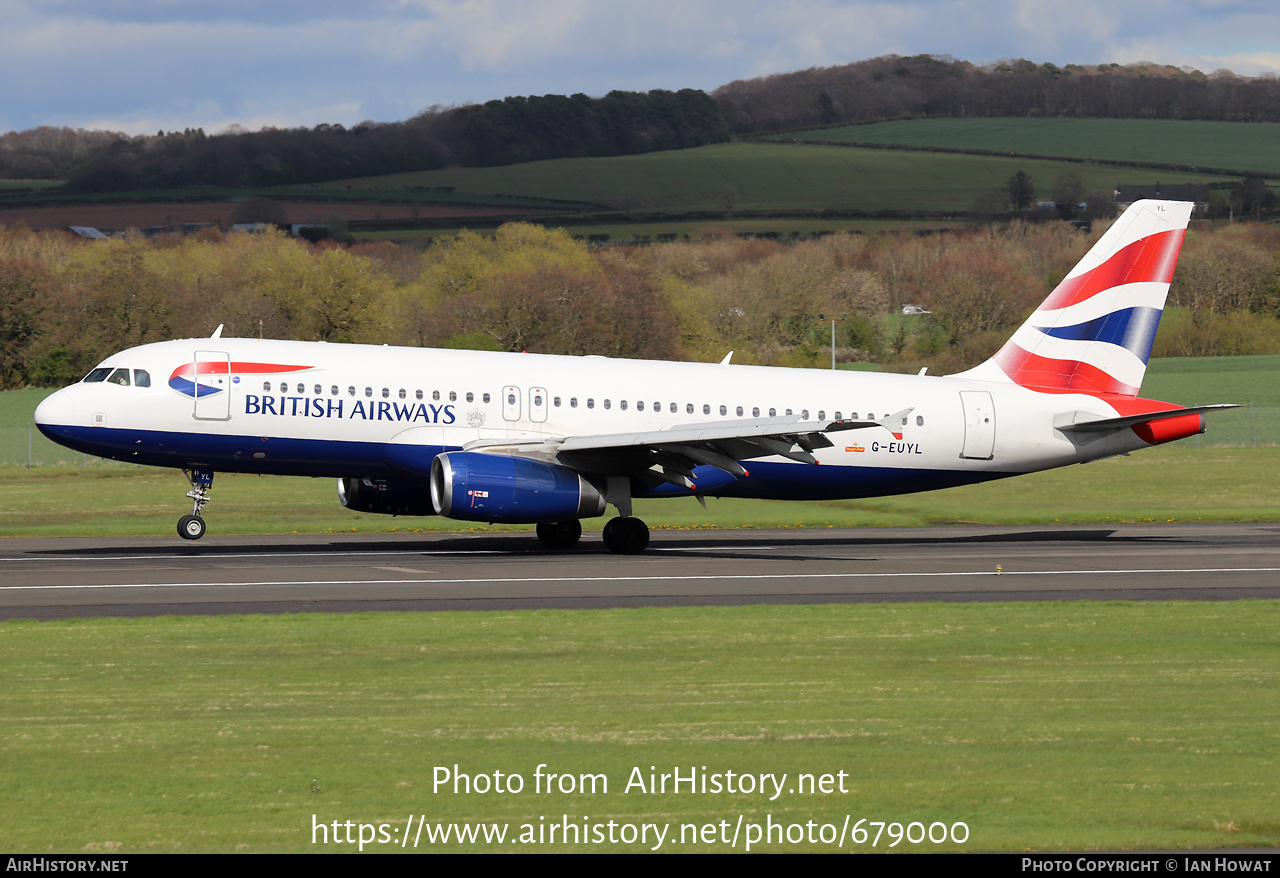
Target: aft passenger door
{"points": [[979, 425], [212, 379]]}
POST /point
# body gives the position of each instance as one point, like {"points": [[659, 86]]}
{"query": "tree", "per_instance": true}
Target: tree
{"points": [[1022, 190]]}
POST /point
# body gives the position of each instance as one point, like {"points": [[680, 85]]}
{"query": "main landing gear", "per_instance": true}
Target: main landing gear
{"points": [[622, 536], [560, 534], [626, 536], [191, 527]]}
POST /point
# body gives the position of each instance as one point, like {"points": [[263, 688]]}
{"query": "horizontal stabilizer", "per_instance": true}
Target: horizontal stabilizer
{"points": [[1073, 422]]}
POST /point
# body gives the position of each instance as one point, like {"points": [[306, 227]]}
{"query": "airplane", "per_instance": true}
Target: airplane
{"points": [[550, 440]]}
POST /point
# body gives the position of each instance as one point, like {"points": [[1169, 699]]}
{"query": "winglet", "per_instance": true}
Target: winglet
{"points": [[217, 333], [727, 358], [897, 418]]}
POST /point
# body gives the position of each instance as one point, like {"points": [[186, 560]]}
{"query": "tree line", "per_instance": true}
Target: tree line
{"points": [[515, 129], [67, 303], [520, 129]]}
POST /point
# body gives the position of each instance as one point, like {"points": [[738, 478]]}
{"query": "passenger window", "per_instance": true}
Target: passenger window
{"points": [[417, 394], [386, 393], [607, 405], [622, 404], [284, 388], [573, 402], [672, 408], [351, 391], [471, 397], [853, 416], [591, 403], [537, 400], [688, 409], [266, 385], [97, 375], [773, 413], [302, 388], [511, 399], [435, 395], [555, 401], [788, 412], [919, 420], [755, 412], [368, 391], [453, 396], [403, 393], [141, 378], [485, 397], [657, 406], [706, 409], [804, 415], [838, 418], [639, 405], [333, 391], [739, 411], [319, 390], [822, 415], [723, 411], [120, 376]]}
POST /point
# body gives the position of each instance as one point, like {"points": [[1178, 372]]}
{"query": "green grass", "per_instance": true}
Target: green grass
{"points": [[1239, 146], [1042, 726], [767, 176], [1179, 483]]}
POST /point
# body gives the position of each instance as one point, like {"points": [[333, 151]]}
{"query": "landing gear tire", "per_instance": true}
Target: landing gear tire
{"points": [[626, 536], [191, 527], [560, 534]]}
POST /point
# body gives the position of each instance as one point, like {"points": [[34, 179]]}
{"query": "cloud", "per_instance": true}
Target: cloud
{"points": [[147, 64]]}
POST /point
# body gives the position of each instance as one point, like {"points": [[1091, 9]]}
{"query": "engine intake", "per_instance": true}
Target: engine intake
{"points": [[515, 490], [384, 497]]}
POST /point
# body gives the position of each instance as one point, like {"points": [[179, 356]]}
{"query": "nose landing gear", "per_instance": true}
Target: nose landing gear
{"points": [[191, 527]]}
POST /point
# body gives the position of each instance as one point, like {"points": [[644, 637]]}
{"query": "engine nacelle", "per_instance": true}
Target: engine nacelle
{"points": [[387, 498], [514, 490]]}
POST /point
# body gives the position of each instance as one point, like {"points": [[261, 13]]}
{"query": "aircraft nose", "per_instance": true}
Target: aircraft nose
{"points": [[55, 410]]}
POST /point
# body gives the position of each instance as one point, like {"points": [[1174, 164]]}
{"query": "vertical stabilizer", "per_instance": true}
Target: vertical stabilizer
{"points": [[1094, 332]]}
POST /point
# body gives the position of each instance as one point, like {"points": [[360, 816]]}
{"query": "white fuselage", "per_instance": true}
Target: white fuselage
{"points": [[318, 409]]}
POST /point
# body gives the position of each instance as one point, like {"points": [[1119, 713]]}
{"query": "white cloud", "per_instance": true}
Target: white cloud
{"points": [[148, 64]]}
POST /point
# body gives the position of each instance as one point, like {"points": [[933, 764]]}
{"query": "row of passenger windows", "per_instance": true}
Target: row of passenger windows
{"points": [[557, 402]]}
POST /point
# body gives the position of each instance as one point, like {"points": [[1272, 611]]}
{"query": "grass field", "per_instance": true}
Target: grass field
{"points": [[1242, 146], [767, 176], [1041, 726]]}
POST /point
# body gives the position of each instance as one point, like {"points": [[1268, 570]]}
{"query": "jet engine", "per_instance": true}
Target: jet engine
{"points": [[387, 498], [516, 490]]}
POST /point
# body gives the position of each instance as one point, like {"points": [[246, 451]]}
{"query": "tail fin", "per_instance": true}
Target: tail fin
{"points": [[1094, 332]]}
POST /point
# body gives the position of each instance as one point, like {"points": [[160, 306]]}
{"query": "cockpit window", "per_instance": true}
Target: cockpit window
{"points": [[98, 374], [141, 378], [120, 376]]}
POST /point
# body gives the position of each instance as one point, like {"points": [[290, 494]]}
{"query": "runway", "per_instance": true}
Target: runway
{"points": [[67, 578]]}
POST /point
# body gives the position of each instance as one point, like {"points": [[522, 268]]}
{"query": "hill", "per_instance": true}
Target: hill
{"points": [[1237, 147], [741, 178]]}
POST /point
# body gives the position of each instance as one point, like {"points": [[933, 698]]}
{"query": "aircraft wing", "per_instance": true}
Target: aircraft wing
{"points": [[670, 455]]}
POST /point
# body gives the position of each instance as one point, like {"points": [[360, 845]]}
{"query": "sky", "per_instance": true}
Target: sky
{"points": [[140, 66]]}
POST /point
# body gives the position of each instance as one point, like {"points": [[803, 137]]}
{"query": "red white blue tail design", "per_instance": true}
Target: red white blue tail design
{"points": [[1094, 332]]}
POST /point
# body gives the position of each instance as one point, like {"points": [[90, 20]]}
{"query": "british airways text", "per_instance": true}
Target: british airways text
{"points": [[309, 407]]}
